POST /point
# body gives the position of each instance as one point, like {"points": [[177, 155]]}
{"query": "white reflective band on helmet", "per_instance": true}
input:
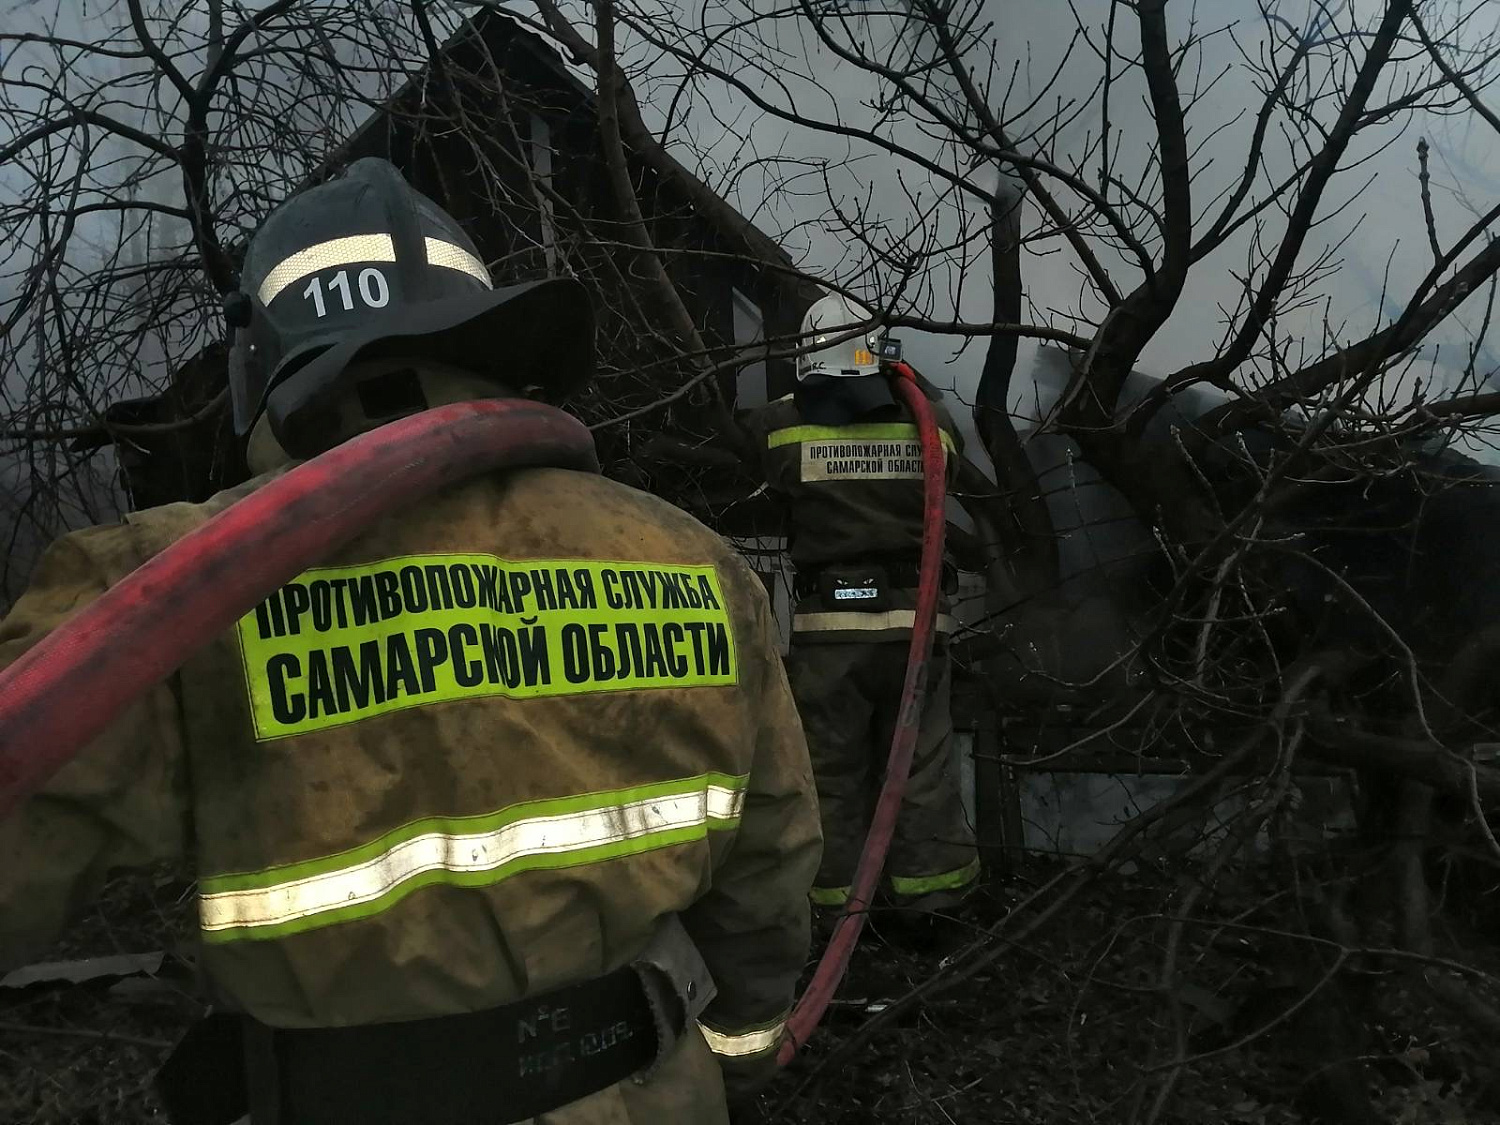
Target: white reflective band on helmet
{"points": [[737, 1046], [853, 621], [357, 248], [338, 890], [449, 256], [323, 256]]}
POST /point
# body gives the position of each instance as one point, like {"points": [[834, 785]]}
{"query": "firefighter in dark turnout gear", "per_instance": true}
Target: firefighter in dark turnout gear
{"points": [[501, 812], [845, 454]]}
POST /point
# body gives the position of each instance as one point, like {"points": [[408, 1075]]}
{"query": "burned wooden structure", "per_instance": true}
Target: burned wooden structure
{"points": [[502, 133]]}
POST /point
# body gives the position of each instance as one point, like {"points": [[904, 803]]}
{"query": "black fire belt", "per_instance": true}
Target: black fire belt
{"points": [[482, 1068], [896, 573]]}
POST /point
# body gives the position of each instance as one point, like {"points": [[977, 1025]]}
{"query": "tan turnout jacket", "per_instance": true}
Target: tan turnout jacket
{"points": [[480, 753]]}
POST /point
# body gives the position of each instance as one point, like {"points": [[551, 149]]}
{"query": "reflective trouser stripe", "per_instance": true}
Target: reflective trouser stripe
{"points": [[942, 881], [751, 1042], [829, 896], [852, 621], [467, 852], [903, 885]]}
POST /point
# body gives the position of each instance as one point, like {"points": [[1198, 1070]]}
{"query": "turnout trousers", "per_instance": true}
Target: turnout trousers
{"points": [[849, 697]]}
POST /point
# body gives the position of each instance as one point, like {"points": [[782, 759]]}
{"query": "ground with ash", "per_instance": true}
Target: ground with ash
{"points": [[1069, 1026]]}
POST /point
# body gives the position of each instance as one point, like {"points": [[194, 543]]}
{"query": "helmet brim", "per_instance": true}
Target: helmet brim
{"points": [[537, 337]]}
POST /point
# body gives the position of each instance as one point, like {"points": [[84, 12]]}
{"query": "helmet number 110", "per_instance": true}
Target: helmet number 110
{"points": [[372, 288]]}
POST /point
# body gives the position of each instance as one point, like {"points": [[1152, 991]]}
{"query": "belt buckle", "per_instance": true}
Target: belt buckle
{"points": [[860, 590]]}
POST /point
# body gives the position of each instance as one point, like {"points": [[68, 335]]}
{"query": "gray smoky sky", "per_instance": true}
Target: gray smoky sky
{"points": [[796, 181], [1371, 216]]}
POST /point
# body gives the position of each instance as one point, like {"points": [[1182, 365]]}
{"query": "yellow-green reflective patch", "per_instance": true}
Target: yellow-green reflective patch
{"points": [[342, 644], [942, 881], [829, 896]]}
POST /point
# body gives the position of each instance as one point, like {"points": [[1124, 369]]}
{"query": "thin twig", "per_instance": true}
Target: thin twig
{"points": [[1425, 180], [85, 1033]]}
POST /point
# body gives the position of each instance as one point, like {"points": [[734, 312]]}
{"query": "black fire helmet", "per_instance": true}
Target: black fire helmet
{"points": [[365, 267]]}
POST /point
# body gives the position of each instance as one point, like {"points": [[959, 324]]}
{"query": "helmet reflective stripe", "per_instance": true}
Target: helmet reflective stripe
{"points": [[325, 255], [450, 256], [357, 248]]}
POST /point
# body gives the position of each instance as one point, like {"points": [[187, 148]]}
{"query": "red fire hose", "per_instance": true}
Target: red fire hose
{"points": [[71, 685], [835, 961]]}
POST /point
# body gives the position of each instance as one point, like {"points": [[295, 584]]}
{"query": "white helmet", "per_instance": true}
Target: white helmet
{"points": [[840, 380], [828, 319]]}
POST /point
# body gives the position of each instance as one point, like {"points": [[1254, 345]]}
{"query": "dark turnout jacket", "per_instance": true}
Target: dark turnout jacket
{"points": [[854, 493]]}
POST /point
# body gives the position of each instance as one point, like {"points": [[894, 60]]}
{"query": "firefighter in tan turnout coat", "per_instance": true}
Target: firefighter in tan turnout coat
{"points": [[845, 455], [504, 810]]}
